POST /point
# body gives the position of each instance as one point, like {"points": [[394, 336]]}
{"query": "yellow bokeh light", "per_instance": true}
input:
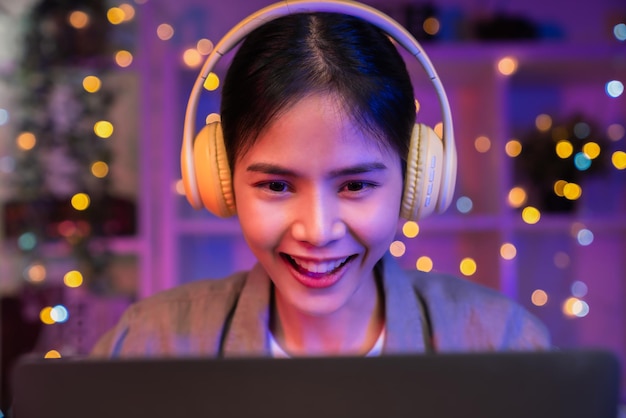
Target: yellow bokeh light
{"points": [[619, 160], [564, 148], [100, 169], [165, 31], [559, 186], [73, 278], [80, 201], [539, 297], [572, 191], [52, 354], [45, 315], [204, 46], [212, 82], [192, 58], [36, 273], [123, 58], [424, 263], [592, 150], [513, 148], [26, 141], [129, 11], [397, 248], [103, 128], [482, 144], [517, 197], [468, 266], [531, 215], [410, 229], [431, 25], [568, 306], [92, 84], [507, 65], [543, 122], [78, 19], [508, 251], [116, 15]]}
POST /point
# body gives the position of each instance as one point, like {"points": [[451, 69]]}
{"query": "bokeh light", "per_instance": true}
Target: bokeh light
{"points": [[517, 197], [45, 315], [619, 160], [397, 248], [80, 201], [165, 31], [539, 297], [464, 204], [59, 314], [129, 11], [482, 144], [52, 354], [579, 289], [123, 58], [204, 46], [92, 84], [572, 191], [192, 58], [424, 263], [26, 141], [507, 66], [531, 215], [582, 161], [431, 25], [564, 148], [508, 251], [36, 273], [575, 307], [513, 148], [615, 132], [619, 31], [212, 82], [116, 15], [27, 241], [78, 19], [559, 185], [592, 150], [584, 237], [410, 229], [543, 122], [4, 116], [103, 129], [468, 266], [100, 169], [614, 88], [73, 278], [561, 260]]}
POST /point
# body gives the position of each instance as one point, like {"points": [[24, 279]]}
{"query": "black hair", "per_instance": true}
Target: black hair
{"points": [[298, 55]]}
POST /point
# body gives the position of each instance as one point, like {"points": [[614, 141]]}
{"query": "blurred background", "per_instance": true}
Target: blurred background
{"points": [[92, 99]]}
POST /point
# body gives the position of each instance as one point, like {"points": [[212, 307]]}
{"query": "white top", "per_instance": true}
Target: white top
{"points": [[278, 352]]}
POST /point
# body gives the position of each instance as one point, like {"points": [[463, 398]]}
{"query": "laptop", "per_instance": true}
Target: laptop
{"points": [[577, 383]]}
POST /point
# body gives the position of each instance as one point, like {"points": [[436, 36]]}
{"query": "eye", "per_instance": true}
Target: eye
{"points": [[355, 186], [277, 186]]}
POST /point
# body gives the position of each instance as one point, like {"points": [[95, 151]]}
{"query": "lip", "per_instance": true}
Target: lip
{"points": [[317, 280]]}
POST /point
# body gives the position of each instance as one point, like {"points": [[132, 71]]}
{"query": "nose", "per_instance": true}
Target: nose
{"points": [[317, 221]]}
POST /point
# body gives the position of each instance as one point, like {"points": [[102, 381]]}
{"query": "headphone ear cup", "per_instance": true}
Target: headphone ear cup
{"points": [[212, 171], [424, 172]]}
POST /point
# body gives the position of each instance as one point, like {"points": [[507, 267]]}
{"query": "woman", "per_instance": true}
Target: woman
{"points": [[317, 115]]}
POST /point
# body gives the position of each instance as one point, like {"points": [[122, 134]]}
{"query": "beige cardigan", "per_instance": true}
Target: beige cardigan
{"points": [[424, 312]]}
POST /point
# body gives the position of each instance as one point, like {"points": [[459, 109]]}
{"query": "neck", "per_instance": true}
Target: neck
{"points": [[351, 330]]}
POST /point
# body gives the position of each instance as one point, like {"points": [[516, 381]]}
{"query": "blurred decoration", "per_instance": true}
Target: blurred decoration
{"points": [[61, 212], [556, 158]]}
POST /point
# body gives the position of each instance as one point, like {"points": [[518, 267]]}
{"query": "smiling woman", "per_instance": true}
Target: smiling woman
{"points": [[318, 164]]}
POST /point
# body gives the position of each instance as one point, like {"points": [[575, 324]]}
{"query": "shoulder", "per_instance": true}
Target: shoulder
{"points": [[467, 315], [189, 318]]}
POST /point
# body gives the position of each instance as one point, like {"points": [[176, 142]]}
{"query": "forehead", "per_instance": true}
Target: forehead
{"points": [[318, 126]]}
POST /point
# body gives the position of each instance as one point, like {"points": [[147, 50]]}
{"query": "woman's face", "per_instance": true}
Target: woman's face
{"points": [[318, 204]]}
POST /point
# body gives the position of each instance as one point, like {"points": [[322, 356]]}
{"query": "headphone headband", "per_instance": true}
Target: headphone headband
{"points": [[352, 8]]}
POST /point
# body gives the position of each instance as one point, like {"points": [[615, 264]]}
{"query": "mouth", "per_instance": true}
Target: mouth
{"points": [[318, 273]]}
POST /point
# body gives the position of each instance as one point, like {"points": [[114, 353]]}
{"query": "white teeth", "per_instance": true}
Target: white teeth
{"points": [[319, 267]]}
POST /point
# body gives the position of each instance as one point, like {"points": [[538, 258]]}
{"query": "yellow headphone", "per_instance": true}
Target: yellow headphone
{"points": [[431, 163]]}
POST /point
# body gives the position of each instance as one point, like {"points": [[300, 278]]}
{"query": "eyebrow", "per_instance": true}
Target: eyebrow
{"points": [[268, 168]]}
